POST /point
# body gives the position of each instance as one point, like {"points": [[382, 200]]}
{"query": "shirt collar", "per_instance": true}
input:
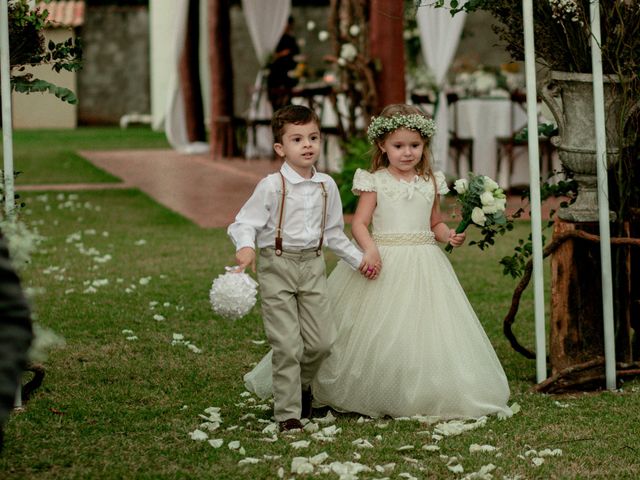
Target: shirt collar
{"points": [[294, 177]]}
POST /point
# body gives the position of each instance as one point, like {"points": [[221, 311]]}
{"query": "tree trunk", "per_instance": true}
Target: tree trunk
{"points": [[576, 300], [190, 76], [222, 117], [387, 47]]}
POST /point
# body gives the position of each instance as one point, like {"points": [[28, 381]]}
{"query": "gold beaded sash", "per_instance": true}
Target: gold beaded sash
{"points": [[408, 238]]}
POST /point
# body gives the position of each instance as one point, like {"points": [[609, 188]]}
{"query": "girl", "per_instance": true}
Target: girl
{"points": [[408, 343]]}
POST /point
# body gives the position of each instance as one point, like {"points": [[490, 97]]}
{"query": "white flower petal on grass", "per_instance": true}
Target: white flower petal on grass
{"points": [[407, 475], [300, 444], [405, 447], [159, 318], [216, 442], [232, 428], [258, 342], [178, 336], [140, 242], [382, 425], [483, 474], [431, 448], [328, 418], [301, 465], [362, 443], [271, 428], [311, 427], [211, 426], [531, 453], [249, 461], [271, 439], [193, 348], [457, 468], [132, 337], [537, 461], [144, 280], [560, 404], [234, 445], [198, 435], [271, 457], [127, 331], [456, 427], [387, 467], [550, 453], [90, 290], [475, 448], [245, 394], [69, 290], [348, 470]]}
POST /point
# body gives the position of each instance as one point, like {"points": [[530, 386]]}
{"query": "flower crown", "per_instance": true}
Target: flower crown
{"points": [[379, 126]]}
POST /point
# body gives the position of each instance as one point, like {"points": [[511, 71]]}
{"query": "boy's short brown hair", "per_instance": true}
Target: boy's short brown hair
{"points": [[296, 114]]}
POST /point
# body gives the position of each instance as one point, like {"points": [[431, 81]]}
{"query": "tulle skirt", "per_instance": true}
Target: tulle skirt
{"points": [[408, 343]]}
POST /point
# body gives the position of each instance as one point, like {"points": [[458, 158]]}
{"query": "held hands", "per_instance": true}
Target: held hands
{"points": [[456, 239], [245, 257], [371, 264]]}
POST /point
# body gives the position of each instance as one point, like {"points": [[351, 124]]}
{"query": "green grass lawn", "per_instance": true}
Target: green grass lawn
{"points": [[111, 407], [51, 156]]}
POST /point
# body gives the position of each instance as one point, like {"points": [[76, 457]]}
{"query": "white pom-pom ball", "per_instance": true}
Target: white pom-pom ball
{"points": [[232, 294]]}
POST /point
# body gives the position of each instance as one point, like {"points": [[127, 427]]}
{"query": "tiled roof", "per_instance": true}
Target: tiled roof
{"points": [[69, 13]]}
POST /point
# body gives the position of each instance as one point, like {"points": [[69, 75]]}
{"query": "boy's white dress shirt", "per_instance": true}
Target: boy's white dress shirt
{"points": [[258, 219]]}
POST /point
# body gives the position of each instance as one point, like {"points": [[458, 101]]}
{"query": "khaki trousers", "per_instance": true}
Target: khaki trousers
{"points": [[296, 315]]}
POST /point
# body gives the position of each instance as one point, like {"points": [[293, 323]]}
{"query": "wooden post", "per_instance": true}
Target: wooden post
{"points": [[387, 49], [190, 76], [222, 137], [576, 300]]}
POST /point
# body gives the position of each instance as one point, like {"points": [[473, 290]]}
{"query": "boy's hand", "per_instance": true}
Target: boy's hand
{"points": [[244, 257]]}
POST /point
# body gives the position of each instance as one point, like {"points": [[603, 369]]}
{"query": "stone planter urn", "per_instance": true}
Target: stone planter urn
{"points": [[570, 99]]}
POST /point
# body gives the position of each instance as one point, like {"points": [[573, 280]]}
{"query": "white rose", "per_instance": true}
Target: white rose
{"points": [[489, 184], [311, 25], [478, 217], [489, 209], [501, 204], [461, 185], [486, 198], [354, 30], [323, 35]]}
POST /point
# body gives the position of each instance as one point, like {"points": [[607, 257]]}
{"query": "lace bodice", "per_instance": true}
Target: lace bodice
{"points": [[401, 206]]}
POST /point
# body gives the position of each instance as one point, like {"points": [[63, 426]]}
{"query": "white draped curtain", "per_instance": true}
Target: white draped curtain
{"points": [[175, 122], [265, 29], [439, 36]]}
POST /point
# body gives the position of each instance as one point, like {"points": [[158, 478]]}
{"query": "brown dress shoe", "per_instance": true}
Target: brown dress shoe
{"points": [[290, 424], [306, 404]]}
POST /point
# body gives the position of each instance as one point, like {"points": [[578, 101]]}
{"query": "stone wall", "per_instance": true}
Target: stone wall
{"points": [[115, 75]]}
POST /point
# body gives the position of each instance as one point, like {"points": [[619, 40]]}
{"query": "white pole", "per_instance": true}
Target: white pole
{"points": [[7, 135], [603, 199], [534, 186]]}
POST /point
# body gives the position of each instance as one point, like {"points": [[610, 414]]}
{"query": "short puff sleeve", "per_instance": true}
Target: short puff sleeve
{"points": [[441, 183], [363, 181]]}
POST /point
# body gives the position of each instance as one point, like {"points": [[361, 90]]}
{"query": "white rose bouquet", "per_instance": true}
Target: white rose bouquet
{"points": [[483, 203]]}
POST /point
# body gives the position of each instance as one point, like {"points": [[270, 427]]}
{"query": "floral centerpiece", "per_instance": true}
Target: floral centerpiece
{"points": [[483, 204]]}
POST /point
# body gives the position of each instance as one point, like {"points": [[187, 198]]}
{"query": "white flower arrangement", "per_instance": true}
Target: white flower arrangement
{"points": [[483, 204], [380, 126], [233, 294]]}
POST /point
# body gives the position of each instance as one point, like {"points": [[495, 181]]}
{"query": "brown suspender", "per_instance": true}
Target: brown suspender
{"points": [[281, 216]]}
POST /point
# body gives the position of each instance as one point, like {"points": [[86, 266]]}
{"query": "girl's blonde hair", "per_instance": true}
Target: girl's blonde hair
{"points": [[380, 160]]}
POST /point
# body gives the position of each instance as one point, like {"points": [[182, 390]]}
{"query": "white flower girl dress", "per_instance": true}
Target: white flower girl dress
{"points": [[409, 342]]}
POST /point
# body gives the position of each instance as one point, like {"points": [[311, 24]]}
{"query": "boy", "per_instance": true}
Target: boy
{"points": [[290, 215]]}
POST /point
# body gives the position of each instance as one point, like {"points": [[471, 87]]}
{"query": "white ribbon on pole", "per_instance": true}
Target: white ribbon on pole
{"points": [[534, 190], [603, 199], [7, 131]]}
